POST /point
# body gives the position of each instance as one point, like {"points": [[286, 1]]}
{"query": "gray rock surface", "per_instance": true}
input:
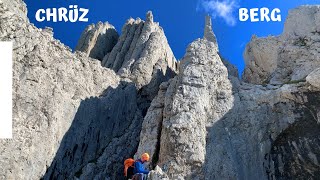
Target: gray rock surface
{"points": [[208, 32], [157, 174], [142, 52], [198, 97], [302, 21], [106, 130], [17, 6], [250, 132], [242, 144], [49, 84], [74, 119], [151, 127], [313, 78], [98, 40], [261, 59], [288, 57], [195, 99]]}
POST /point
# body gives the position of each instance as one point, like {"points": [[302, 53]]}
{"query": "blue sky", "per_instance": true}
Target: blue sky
{"points": [[182, 20]]}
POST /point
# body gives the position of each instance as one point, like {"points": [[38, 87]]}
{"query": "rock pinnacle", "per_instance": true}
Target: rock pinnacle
{"points": [[149, 16], [208, 33]]}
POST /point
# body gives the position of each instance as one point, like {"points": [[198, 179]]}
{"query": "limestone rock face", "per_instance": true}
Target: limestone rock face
{"points": [[261, 59], [258, 139], [208, 33], [215, 128], [194, 100], [289, 57], [17, 6], [157, 174], [105, 130], [302, 21], [97, 40], [73, 118], [151, 127], [313, 78], [142, 52], [49, 84]]}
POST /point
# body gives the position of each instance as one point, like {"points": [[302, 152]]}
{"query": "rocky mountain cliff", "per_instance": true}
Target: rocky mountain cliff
{"points": [[71, 115], [79, 115], [288, 57], [216, 127], [98, 40]]}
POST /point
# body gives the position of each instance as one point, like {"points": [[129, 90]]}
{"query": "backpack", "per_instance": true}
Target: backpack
{"points": [[128, 163]]}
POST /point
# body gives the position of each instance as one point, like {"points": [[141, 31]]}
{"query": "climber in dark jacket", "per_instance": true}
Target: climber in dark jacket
{"points": [[138, 165], [140, 173]]}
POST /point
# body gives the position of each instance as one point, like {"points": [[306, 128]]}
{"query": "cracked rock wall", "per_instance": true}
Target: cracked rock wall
{"points": [[72, 117], [49, 83], [141, 46], [219, 128], [106, 129], [194, 100], [97, 40], [290, 56]]}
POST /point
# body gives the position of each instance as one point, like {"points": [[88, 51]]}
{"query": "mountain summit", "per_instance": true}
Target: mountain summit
{"points": [[80, 115]]}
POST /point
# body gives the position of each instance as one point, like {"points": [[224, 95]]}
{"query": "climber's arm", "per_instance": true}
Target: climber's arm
{"points": [[140, 169]]}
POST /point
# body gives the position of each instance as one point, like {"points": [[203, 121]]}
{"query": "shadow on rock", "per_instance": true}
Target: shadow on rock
{"points": [[264, 139], [98, 121], [105, 131]]}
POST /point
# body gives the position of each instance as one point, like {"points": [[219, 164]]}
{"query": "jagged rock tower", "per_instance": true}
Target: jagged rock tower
{"points": [[196, 99], [98, 40], [72, 117], [79, 115], [206, 124]]}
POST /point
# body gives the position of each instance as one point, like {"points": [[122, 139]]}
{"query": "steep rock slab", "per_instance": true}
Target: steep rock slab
{"points": [[79, 114], [313, 78], [302, 21], [239, 146], [97, 40], [180, 135], [262, 132], [49, 84], [289, 57], [272, 131], [261, 56], [141, 52], [195, 100], [106, 129], [157, 174]]}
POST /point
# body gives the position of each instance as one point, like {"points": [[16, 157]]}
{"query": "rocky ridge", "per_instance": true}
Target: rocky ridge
{"points": [[114, 119], [49, 82], [213, 126], [74, 119], [288, 57], [71, 115], [97, 40]]}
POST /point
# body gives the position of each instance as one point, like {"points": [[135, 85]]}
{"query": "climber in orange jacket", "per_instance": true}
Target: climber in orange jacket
{"points": [[129, 168]]}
